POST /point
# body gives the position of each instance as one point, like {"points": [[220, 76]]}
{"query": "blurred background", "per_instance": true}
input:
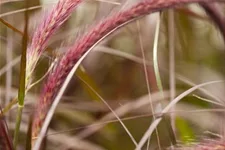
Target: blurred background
{"points": [[190, 51]]}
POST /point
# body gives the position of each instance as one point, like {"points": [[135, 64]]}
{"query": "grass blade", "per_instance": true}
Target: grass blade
{"points": [[22, 82]]}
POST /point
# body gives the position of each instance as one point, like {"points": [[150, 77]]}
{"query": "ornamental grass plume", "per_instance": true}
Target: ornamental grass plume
{"points": [[207, 144], [51, 22], [211, 145], [5, 140], [31, 55], [93, 36], [214, 11]]}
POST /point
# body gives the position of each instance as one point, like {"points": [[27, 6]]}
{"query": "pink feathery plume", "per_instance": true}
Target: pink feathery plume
{"points": [[50, 24]]}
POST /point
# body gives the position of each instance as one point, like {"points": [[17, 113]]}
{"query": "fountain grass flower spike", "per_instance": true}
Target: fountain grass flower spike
{"points": [[31, 55], [51, 22], [84, 43]]}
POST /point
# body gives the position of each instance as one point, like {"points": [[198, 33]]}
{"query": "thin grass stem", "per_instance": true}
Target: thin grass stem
{"points": [[172, 81], [22, 82], [155, 123], [147, 83], [17, 127]]}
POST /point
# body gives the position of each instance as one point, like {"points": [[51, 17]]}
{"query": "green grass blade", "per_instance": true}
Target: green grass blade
{"points": [[22, 82]]}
